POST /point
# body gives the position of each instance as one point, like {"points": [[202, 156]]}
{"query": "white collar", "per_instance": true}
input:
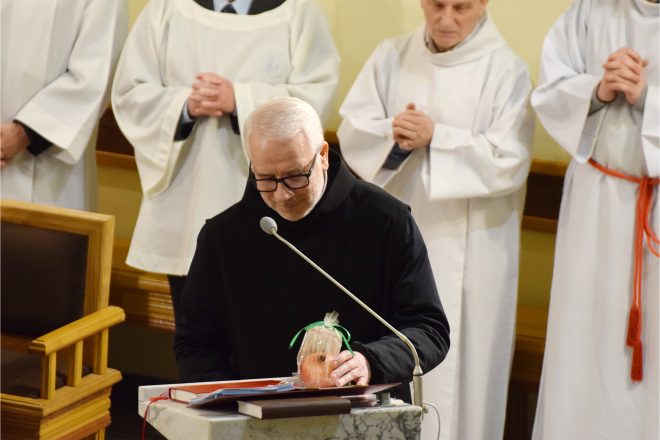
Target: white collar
{"points": [[484, 39]]}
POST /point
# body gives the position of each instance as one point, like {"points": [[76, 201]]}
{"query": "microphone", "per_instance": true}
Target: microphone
{"points": [[269, 226]]}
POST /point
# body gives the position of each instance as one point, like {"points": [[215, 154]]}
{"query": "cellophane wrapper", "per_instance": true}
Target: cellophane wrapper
{"points": [[318, 350]]}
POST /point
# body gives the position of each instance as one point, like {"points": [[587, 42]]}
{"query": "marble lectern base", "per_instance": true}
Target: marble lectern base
{"points": [[176, 421]]}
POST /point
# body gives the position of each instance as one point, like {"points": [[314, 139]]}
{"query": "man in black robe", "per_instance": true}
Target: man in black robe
{"points": [[247, 294]]}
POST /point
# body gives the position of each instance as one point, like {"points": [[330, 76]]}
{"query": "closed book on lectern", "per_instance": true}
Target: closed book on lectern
{"points": [[294, 407]]}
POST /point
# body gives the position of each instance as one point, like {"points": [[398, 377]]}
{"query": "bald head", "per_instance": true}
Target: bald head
{"points": [[283, 118]]}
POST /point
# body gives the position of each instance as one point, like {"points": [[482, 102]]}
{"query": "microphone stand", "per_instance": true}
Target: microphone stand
{"points": [[271, 229]]}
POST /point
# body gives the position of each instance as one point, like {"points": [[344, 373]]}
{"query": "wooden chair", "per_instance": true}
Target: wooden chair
{"points": [[55, 279]]}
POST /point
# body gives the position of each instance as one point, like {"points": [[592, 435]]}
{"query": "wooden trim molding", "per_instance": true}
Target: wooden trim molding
{"points": [[144, 296], [115, 160], [331, 137], [531, 323], [541, 207], [526, 369], [548, 167], [539, 224], [110, 138]]}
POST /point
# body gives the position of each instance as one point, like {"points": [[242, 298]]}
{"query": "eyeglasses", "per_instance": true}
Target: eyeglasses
{"points": [[294, 181]]}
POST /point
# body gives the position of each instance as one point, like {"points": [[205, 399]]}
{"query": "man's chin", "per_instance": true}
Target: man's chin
{"points": [[290, 215], [445, 43], [295, 213]]}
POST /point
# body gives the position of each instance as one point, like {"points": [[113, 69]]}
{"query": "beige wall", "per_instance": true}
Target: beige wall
{"points": [[119, 194]]}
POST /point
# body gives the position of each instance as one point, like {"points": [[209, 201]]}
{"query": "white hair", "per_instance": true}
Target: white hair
{"points": [[283, 118]]}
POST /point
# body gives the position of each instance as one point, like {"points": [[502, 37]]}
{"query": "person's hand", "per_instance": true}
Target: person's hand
{"points": [[212, 95], [412, 128], [13, 140], [351, 367], [624, 73]]}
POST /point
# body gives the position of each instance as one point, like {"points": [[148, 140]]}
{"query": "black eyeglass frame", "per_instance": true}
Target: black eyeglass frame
{"points": [[283, 180]]}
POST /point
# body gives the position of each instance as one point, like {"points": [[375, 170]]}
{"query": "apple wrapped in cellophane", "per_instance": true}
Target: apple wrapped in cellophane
{"points": [[320, 347]]}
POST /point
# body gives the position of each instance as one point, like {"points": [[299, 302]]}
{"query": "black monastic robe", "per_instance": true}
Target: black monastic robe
{"points": [[247, 294]]}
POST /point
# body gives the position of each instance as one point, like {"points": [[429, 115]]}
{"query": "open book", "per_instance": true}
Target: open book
{"points": [[226, 393], [197, 394]]}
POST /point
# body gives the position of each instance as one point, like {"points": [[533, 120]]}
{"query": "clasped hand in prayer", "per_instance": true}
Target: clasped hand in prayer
{"points": [[212, 95], [624, 73], [412, 128]]}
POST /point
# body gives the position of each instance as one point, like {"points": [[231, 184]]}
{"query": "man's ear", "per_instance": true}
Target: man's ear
{"points": [[325, 155]]}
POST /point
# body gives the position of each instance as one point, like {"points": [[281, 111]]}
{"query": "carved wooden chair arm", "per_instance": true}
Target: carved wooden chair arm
{"points": [[70, 338]]}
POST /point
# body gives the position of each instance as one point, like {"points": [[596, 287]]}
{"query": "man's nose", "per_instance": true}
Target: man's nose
{"points": [[446, 17], [282, 193]]}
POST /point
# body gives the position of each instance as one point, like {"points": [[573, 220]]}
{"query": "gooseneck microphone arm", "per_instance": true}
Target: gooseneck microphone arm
{"points": [[269, 226]]}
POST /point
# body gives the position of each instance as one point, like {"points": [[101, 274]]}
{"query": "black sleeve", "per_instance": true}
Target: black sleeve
{"points": [[201, 346], [396, 157], [413, 307], [183, 129], [234, 123], [38, 143]]}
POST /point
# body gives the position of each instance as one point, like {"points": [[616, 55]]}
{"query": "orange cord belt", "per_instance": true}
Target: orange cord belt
{"points": [[642, 228]]}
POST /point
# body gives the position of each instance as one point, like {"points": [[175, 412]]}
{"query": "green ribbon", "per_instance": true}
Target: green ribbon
{"points": [[341, 331]]}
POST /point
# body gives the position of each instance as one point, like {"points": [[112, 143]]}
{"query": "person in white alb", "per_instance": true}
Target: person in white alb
{"points": [[57, 60], [439, 118], [190, 74], [598, 96]]}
